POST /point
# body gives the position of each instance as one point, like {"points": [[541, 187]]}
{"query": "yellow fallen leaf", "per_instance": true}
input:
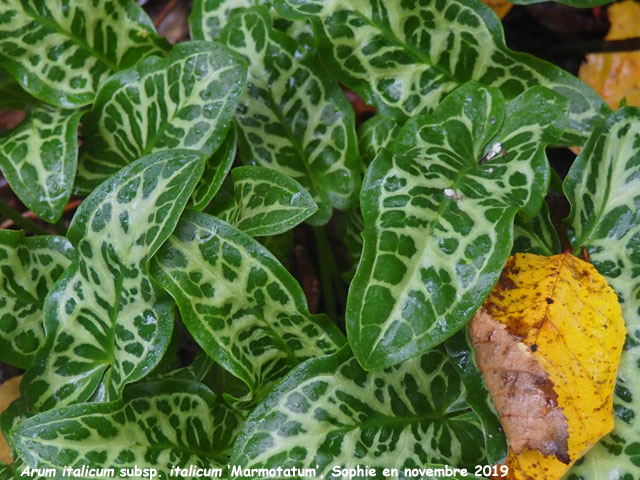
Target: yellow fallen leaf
{"points": [[548, 341], [9, 391], [500, 7], [617, 75]]}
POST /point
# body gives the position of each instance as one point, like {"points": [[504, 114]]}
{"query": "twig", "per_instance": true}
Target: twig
{"points": [[166, 10]]}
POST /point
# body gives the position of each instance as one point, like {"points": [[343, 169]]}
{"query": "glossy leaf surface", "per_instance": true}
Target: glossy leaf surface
{"points": [[438, 208], [61, 52], [186, 100], [537, 235], [29, 266], [293, 117], [39, 159], [216, 169], [242, 307], [405, 57], [106, 323], [603, 187], [199, 430], [264, 202], [329, 411]]}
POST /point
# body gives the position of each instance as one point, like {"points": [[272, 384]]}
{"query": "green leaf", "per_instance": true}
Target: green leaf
{"points": [[61, 51], [350, 232], [460, 353], [106, 323], [186, 100], [39, 158], [208, 17], [329, 412], [373, 135], [438, 208], [11, 95], [243, 308], [404, 57], [280, 246], [603, 187], [155, 425], [216, 169], [28, 269], [293, 117], [265, 202], [537, 235]]}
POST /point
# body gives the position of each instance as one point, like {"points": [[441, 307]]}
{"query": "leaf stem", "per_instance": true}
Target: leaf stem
{"points": [[329, 275], [7, 211]]}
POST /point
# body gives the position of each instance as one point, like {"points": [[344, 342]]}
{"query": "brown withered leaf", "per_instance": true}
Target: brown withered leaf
{"points": [[521, 390]]}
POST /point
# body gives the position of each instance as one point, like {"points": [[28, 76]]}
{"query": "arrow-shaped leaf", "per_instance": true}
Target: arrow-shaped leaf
{"points": [[39, 159], [156, 425], [186, 100], [264, 202], [405, 57], [216, 169], [438, 208], [242, 307], [293, 117], [603, 187], [28, 269], [61, 51], [329, 412], [105, 322]]}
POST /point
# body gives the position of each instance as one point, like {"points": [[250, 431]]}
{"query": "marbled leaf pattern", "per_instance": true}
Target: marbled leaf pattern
{"points": [[216, 169], [603, 186], [438, 208], [242, 307], [406, 56], [293, 117], [264, 202], [186, 100], [39, 159], [29, 266], [537, 235], [329, 411], [155, 425], [61, 51], [106, 323]]}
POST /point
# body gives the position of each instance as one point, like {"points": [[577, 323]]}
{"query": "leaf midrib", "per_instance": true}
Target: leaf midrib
{"points": [[445, 205], [177, 243], [79, 41]]}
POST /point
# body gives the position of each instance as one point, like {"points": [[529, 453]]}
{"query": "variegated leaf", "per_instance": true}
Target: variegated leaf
{"points": [[216, 169], [404, 57], [438, 208], [265, 202], [537, 235], [61, 51], [373, 135], [293, 117], [242, 307], [39, 158], [603, 187], [28, 269], [350, 231], [330, 412], [106, 323], [208, 17], [186, 100], [156, 425]]}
